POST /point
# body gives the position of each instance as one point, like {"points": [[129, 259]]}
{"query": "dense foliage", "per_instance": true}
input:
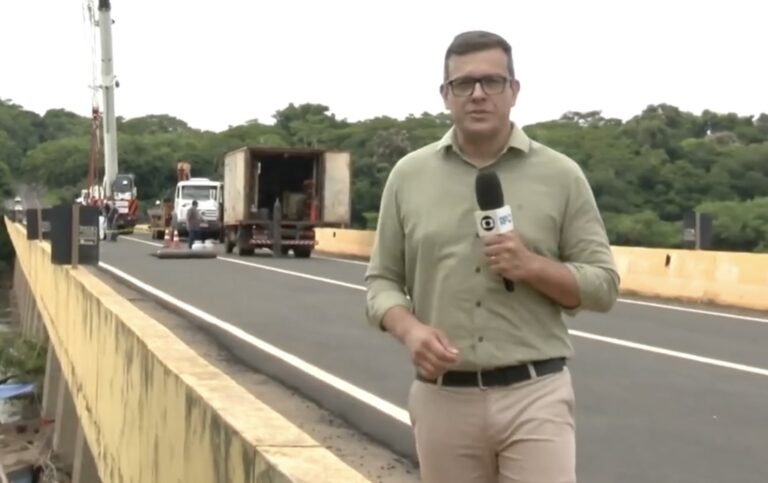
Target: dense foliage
{"points": [[646, 172]]}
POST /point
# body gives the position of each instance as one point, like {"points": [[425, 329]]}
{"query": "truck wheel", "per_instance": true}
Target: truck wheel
{"points": [[302, 252]]}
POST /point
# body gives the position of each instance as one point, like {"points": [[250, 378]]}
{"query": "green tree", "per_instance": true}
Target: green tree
{"points": [[22, 126], [10, 153], [739, 225], [646, 172], [643, 229], [59, 124], [59, 163], [153, 124]]}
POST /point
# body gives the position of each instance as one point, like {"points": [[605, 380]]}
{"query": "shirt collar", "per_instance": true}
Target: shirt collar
{"points": [[517, 140]]}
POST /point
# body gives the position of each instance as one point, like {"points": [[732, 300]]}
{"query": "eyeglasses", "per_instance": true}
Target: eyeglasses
{"points": [[491, 85]]}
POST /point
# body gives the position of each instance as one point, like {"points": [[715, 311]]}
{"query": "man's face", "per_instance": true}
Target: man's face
{"points": [[481, 95]]}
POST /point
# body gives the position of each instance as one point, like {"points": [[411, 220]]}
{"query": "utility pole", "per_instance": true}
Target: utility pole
{"points": [[108, 85]]}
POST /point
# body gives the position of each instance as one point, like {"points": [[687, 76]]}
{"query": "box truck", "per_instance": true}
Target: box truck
{"points": [[275, 197]]}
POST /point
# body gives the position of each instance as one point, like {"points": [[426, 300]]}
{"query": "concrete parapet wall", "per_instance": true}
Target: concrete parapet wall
{"points": [[151, 409], [355, 243], [725, 278]]}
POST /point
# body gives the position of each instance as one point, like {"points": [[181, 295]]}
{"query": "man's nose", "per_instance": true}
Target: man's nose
{"points": [[477, 90]]}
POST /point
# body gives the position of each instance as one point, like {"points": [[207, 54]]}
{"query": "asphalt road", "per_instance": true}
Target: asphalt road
{"points": [[663, 395]]}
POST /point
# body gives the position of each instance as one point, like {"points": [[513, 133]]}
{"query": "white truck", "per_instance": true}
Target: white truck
{"points": [[208, 194], [275, 197]]}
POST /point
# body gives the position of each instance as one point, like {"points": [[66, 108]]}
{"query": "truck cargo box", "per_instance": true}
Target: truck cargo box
{"points": [[312, 188], [312, 185]]}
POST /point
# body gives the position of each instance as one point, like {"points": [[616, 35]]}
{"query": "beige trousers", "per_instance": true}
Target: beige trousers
{"points": [[524, 433]]}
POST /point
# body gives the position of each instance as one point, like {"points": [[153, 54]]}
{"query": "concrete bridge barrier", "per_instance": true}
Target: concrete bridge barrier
{"points": [[724, 278], [150, 409]]}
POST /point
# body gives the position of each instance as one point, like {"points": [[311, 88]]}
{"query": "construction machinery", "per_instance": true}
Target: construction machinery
{"points": [[115, 187], [275, 197], [124, 196], [160, 217]]}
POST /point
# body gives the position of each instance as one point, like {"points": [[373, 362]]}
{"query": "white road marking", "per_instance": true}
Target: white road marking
{"points": [[360, 287], [342, 260], [295, 274], [366, 397], [681, 355]]}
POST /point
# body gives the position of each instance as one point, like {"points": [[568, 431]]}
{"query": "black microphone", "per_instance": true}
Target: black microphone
{"points": [[494, 216]]}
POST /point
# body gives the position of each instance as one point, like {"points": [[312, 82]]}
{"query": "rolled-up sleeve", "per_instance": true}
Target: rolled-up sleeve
{"points": [[385, 278], [586, 250]]}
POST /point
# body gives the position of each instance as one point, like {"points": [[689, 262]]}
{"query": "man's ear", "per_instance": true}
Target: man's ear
{"points": [[444, 94], [515, 86]]}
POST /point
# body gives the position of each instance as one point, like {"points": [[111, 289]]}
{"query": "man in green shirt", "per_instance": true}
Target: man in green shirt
{"points": [[492, 399]]}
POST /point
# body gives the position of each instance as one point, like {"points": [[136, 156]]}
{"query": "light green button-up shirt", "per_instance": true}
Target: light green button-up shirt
{"points": [[427, 255]]}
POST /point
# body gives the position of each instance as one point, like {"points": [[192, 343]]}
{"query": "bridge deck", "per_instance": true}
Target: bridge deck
{"points": [[662, 394]]}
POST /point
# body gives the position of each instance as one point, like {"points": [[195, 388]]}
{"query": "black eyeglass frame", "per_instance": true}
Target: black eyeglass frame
{"points": [[503, 82]]}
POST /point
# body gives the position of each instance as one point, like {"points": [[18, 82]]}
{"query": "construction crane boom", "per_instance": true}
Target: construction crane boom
{"points": [[108, 85]]}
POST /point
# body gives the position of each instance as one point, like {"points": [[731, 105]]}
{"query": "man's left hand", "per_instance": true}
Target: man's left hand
{"points": [[508, 256]]}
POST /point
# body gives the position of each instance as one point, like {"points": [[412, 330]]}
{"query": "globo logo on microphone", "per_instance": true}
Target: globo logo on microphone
{"points": [[494, 221], [487, 223]]}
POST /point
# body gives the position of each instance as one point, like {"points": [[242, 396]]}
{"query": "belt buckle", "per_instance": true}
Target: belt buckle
{"points": [[480, 380]]}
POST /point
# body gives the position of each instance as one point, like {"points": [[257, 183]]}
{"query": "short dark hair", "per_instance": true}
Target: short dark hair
{"points": [[476, 41]]}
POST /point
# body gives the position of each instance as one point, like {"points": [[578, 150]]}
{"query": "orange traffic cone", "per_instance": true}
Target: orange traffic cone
{"points": [[176, 244], [167, 239]]}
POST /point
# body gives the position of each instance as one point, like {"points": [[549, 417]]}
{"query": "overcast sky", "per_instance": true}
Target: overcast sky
{"points": [[215, 64]]}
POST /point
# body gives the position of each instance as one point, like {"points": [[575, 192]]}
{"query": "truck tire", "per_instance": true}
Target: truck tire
{"points": [[302, 252]]}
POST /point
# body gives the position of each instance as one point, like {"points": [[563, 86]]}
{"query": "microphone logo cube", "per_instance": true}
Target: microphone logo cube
{"points": [[493, 222]]}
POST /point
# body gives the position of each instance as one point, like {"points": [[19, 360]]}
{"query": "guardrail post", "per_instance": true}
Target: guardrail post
{"points": [[277, 232], [39, 223], [75, 235]]}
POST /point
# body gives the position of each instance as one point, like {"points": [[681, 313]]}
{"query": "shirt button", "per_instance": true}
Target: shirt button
{"points": [[477, 269], [477, 304], [480, 339]]}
